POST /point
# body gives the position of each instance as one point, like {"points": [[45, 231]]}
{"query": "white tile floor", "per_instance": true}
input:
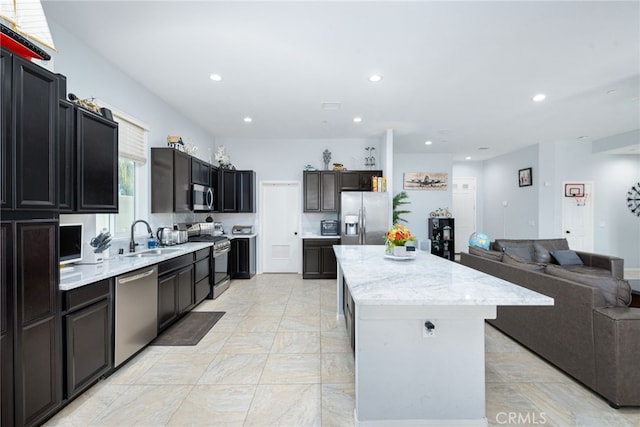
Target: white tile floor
{"points": [[279, 358]]}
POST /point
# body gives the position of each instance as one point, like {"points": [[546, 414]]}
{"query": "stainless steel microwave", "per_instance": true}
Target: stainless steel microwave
{"points": [[201, 198]]}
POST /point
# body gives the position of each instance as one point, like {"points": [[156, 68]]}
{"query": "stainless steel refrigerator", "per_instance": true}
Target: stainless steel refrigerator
{"points": [[364, 217]]}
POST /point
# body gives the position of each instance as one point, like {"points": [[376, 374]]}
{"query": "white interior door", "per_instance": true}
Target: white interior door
{"points": [[280, 228], [464, 211], [577, 215]]}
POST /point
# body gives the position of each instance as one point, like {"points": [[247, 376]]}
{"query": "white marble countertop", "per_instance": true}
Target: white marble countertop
{"points": [[317, 236], [425, 280], [84, 274]]}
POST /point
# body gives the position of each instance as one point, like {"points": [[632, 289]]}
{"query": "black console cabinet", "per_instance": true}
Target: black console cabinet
{"points": [[441, 233]]}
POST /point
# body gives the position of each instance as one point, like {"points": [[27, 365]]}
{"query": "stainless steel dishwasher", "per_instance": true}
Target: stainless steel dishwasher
{"points": [[136, 312]]}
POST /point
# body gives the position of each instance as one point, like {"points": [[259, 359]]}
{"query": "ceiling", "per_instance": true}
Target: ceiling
{"points": [[460, 74]]}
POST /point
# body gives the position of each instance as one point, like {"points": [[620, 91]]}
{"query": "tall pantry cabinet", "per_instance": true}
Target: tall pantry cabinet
{"points": [[30, 333]]}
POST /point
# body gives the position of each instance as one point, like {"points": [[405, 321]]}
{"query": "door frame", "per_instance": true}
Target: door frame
{"points": [[261, 221], [459, 249]]}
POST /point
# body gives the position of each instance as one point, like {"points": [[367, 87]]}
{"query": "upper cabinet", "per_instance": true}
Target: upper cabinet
{"points": [[357, 180], [245, 191], [321, 191], [200, 173], [97, 163], [28, 136], [88, 161], [227, 190], [170, 181]]}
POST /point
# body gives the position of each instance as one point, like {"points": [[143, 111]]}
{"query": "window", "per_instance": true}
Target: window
{"points": [[132, 158]]}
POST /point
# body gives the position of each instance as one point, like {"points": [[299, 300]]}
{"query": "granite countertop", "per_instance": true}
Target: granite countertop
{"points": [[425, 280], [84, 274]]}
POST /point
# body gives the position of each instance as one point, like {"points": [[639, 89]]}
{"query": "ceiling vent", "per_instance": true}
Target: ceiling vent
{"points": [[330, 106]]}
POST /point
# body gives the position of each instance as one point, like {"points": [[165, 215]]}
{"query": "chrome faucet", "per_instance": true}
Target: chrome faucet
{"points": [[132, 243]]}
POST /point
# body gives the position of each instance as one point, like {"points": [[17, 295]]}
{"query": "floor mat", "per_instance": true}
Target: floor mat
{"points": [[190, 329]]}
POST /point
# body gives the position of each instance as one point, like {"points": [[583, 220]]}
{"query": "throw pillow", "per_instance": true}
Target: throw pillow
{"points": [[522, 252], [542, 247], [485, 253], [520, 262], [616, 292], [566, 257]]}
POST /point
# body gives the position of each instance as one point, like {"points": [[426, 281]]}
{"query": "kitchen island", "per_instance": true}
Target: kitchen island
{"points": [[419, 335]]}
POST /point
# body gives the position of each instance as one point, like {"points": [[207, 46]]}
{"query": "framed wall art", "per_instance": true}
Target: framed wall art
{"points": [[525, 177], [425, 181]]}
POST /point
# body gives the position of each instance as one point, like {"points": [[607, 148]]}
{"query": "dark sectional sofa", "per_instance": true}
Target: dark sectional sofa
{"points": [[589, 332]]}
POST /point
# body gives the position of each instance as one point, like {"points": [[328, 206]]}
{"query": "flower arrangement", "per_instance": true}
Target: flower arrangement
{"points": [[399, 235]]}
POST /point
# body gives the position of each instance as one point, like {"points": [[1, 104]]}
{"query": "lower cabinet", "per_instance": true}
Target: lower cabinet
{"points": [[87, 328], [242, 257], [201, 271], [349, 309], [318, 259], [30, 339], [175, 289]]}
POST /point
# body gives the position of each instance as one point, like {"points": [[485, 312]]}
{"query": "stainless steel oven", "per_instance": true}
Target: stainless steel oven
{"points": [[220, 266], [201, 198]]}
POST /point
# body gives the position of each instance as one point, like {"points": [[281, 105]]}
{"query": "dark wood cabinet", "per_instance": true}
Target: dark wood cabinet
{"points": [[201, 272], [175, 289], [97, 163], [87, 325], [170, 181], [37, 356], [66, 157], [321, 191], [200, 172], [29, 135], [318, 259], [7, 308], [87, 160], [357, 180], [245, 191], [242, 257], [441, 233], [227, 184], [6, 152], [214, 174]]}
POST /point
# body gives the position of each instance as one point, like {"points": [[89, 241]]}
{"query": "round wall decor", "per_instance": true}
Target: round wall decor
{"points": [[633, 199]]}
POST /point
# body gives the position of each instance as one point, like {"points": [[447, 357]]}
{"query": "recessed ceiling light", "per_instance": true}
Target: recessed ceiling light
{"points": [[468, 158], [428, 142], [215, 77], [357, 119], [247, 119], [583, 137], [539, 97], [374, 78]]}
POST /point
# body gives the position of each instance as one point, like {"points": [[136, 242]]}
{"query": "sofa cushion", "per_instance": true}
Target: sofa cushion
{"points": [[616, 292], [542, 247], [585, 269], [524, 253], [485, 253], [503, 244], [566, 257], [517, 261]]}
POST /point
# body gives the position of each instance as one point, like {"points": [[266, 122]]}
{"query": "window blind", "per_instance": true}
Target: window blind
{"points": [[132, 139]]}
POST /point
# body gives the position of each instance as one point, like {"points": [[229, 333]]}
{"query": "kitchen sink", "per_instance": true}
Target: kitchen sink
{"points": [[153, 252]]}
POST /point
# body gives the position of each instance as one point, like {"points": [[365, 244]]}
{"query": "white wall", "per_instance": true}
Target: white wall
{"points": [[422, 201]]}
